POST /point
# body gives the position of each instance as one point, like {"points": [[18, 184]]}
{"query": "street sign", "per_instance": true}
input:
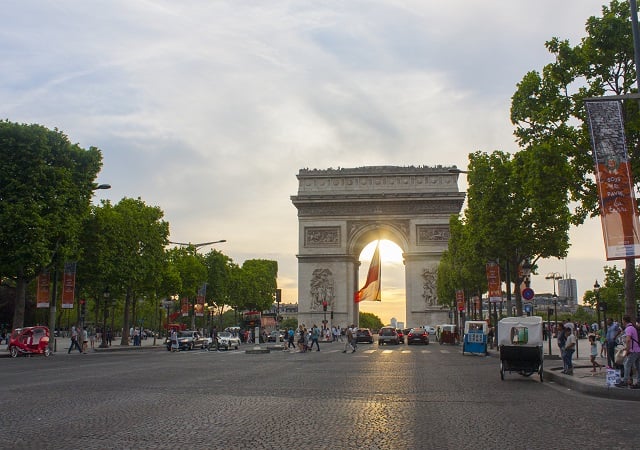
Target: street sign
{"points": [[527, 294]]}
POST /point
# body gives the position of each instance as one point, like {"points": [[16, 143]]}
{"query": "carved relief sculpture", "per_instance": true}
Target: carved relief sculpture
{"points": [[430, 276], [322, 289]]}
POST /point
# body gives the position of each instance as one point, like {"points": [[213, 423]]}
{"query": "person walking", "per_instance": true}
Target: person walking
{"points": [[593, 342], [85, 340], [347, 343], [562, 340], [315, 335], [613, 331], [569, 348], [632, 358], [74, 340]]}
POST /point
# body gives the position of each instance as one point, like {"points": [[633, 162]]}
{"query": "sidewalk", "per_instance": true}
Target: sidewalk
{"points": [[62, 344], [582, 380]]}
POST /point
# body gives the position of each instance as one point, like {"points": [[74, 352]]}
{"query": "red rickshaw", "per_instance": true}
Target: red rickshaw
{"points": [[29, 341]]}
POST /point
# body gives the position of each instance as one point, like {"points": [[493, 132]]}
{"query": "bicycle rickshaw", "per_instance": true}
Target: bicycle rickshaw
{"points": [[29, 341], [520, 344], [449, 334], [475, 337]]}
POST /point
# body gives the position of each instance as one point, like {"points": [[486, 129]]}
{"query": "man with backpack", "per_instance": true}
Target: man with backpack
{"points": [[632, 348]]}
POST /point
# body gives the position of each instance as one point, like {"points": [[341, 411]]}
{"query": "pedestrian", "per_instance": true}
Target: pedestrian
{"points": [[291, 338], [562, 340], [594, 352], [74, 340], [569, 348], [347, 344], [490, 335], [92, 338], [613, 331], [214, 337], [315, 334], [301, 346], [174, 340], [85, 340], [632, 349]]}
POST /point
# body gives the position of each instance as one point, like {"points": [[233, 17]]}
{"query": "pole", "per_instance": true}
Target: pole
{"points": [[52, 311]]}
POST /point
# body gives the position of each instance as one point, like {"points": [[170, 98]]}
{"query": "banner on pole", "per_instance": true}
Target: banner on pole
{"points": [[43, 294], [618, 207], [69, 285], [199, 306], [493, 282], [184, 307]]}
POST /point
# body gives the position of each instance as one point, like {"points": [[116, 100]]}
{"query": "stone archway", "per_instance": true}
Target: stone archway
{"points": [[341, 210]]}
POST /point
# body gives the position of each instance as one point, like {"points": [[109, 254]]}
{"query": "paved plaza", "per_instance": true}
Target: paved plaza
{"points": [[376, 398]]}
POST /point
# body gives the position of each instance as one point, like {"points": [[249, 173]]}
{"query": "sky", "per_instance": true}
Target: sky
{"points": [[208, 109]]}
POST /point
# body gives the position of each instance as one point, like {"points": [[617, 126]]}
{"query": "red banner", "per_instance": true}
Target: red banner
{"points": [[460, 300], [199, 306], [493, 282], [184, 307], [618, 208], [43, 294], [69, 285]]}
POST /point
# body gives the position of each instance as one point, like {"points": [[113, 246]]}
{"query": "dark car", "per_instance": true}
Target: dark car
{"points": [[188, 340], [388, 335], [364, 335], [400, 335], [418, 336]]}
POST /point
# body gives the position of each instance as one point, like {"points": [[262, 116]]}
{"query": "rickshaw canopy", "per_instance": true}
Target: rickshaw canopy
{"points": [[523, 331]]}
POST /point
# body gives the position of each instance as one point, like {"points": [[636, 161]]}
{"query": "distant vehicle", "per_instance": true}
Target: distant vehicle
{"points": [[188, 340], [388, 335], [418, 336], [431, 330], [227, 340], [401, 335], [273, 334], [364, 335]]}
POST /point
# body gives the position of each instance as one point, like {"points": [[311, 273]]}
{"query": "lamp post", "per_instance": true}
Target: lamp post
{"points": [[197, 246], [554, 276], [105, 296]]}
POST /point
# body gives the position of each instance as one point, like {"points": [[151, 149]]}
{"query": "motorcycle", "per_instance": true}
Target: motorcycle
{"points": [[29, 341]]}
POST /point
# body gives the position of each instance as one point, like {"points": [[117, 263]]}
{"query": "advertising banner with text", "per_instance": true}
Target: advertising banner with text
{"points": [[618, 208], [42, 297], [69, 285], [493, 282]]}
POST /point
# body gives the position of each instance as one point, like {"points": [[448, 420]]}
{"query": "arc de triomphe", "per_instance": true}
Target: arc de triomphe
{"points": [[340, 211]]}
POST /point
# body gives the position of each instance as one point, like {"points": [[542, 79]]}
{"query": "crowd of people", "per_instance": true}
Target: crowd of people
{"points": [[617, 343]]}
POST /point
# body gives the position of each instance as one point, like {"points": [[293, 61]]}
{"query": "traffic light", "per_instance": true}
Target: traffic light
{"points": [[324, 305], [83, 308], [278, 295]]}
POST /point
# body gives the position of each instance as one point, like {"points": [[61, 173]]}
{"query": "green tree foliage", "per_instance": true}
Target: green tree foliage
{"points": [[258, 279], [369, 320], [125, 244], [548, 106], [517, 211], [45, 188]]}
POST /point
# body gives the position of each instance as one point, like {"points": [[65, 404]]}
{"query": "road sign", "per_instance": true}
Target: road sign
{"points": [[527, 294]]}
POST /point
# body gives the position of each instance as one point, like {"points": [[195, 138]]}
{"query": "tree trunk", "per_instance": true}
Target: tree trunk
{"points": [[125, 319], [21, 295]]}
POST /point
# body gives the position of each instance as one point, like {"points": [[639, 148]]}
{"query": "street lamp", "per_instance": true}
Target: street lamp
{"points": [[197, 246], [600, 306], [554, 276], [105, 296]]}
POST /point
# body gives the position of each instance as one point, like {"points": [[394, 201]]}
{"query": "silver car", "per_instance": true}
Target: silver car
{"points": [[227, 340]]}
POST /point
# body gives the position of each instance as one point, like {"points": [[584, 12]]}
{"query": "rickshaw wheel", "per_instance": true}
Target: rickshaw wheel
{"points": [[47, 352], [501, 371], [14, 352]]}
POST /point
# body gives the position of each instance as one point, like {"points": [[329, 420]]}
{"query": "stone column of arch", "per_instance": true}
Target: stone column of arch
{"points": [[342, 210]]}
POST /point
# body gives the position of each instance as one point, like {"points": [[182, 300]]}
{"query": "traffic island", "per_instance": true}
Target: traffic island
{"points": [[256, 349]]}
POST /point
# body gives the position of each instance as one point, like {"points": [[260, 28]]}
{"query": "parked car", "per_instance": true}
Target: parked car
{"points": [[400, 335], [364, 335], [188, 340], [227, 340], [388, 335], [418, 336]]}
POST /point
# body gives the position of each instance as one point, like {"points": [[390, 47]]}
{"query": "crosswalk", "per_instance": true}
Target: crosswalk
{"points": [[361, 351]]}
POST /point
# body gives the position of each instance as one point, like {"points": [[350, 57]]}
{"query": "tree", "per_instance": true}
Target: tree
{"points": [[127, 243], [517, 210], [259, 283], [369, 320], [46, 185], [548, 106]]}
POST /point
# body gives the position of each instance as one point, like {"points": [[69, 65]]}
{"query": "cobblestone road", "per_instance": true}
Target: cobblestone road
{"points": [[377, 398]]}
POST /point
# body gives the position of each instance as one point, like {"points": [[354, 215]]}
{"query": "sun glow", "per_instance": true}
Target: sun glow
{"points": [[393, 302]]}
